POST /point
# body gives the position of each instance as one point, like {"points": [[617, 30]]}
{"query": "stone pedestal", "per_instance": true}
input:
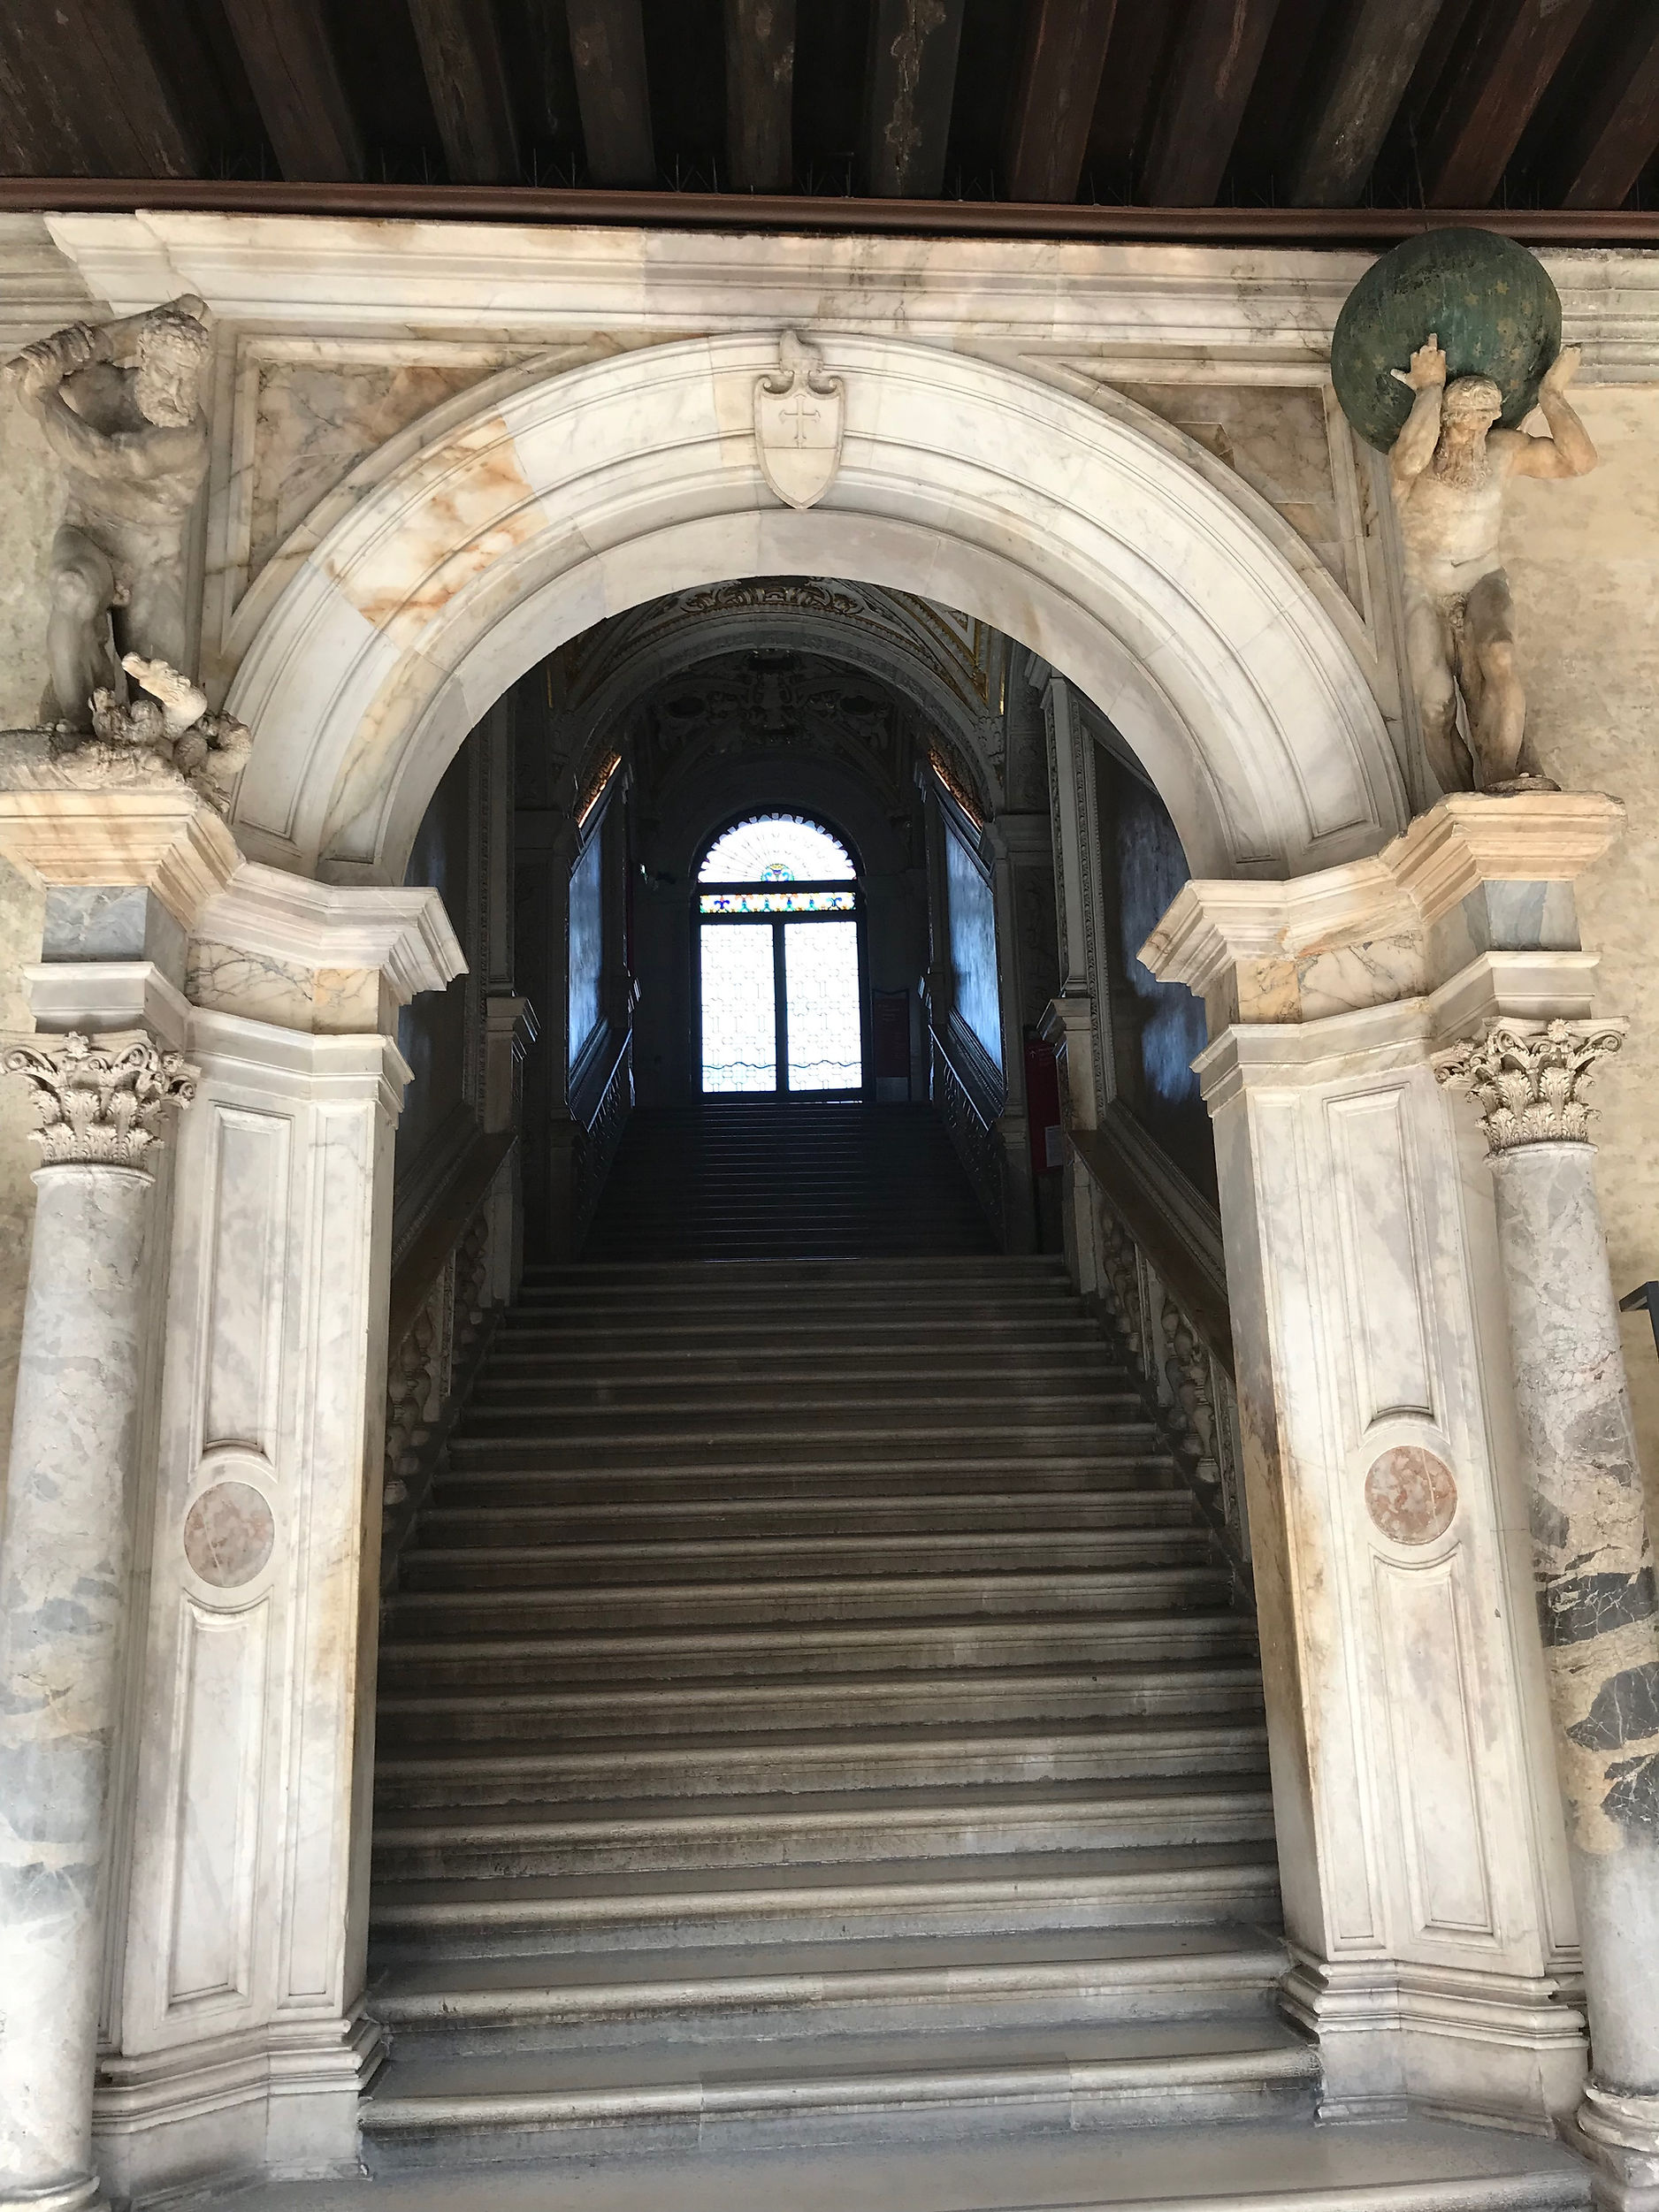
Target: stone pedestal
{"points": [[1598, 1613], [64, 1564], [1424, 1866]]}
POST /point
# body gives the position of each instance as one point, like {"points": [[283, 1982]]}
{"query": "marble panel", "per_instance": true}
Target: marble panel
{"points": [[22, 911], [221, 1700], [1275, 438], [31, 502], [1583, 561], [313, 419]]}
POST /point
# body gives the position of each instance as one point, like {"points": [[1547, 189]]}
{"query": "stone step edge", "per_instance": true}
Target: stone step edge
{"points": [[384, 2112], [686, 1990], [597, 1909], [1215, 1803]]}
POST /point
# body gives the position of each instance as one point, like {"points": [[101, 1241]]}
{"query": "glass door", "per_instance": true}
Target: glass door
{"points": [[780, 991]]}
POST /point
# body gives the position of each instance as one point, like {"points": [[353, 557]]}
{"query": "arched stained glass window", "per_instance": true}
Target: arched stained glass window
{"points": [[777, 849], [781, 994]]}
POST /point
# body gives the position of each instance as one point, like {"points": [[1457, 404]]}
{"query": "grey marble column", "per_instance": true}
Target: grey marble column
{"points": [[1598, 1610], [64, 1556]]}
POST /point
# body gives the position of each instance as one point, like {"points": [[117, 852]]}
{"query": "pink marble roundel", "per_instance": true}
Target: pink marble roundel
{"points": [[1410, 1495], [228, 1534]]}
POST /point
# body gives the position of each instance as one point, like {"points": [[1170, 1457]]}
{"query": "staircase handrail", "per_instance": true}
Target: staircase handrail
{"points": [[599, 1133], [441, 1314], [1163, 1287], [971, 1129]]}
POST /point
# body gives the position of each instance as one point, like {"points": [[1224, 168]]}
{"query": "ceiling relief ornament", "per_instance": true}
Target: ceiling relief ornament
{"points": [[800, 415]]}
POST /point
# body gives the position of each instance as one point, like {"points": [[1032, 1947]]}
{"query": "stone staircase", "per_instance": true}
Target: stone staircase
{"points": [[812, 1711]]}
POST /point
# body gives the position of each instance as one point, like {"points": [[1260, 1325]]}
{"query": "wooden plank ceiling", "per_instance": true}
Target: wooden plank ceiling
{"points": [[1506, 105]]}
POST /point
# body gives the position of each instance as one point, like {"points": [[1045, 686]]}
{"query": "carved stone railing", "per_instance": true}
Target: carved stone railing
{"points": [[972, 1129], [1163, 1294], [598, 1135], [442, 1315]]}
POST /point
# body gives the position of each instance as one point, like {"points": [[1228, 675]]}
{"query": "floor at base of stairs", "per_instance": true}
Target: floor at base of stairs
{"points": [[1420, 2166]]}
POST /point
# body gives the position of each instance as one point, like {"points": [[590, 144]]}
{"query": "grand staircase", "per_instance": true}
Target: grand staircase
{"points": [[813, 1720]]}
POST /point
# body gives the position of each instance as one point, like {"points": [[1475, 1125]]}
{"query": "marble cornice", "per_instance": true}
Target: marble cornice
{"points": [[1462, 843], [402, 932], [308, 1064], [165, 839], [1254, 307]]}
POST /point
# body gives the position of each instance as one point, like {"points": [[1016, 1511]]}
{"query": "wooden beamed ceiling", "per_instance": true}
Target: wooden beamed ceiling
{"points": [[1509, 104]]}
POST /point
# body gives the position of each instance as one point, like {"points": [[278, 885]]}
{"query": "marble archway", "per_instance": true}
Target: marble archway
{"points": [[556, 504]]}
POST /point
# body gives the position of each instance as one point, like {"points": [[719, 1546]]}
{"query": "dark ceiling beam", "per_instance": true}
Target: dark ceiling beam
{"points": [[461, 58], [1496, 80], [84, 87], [1054, 100], [607, 46], [738, 212], [1618, 134], [760, 94], [1377, 50], [909, 87], [295, 78], [1210, 80]]}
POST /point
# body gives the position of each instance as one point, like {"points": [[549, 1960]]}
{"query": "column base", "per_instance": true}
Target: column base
{"points": [[280, 2100], [1448, 2042], [1619, 2136], [85, 2195]]}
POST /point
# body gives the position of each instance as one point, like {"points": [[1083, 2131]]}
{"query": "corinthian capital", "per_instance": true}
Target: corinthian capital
{"points": [[1527, 1078], [98, 1107]]}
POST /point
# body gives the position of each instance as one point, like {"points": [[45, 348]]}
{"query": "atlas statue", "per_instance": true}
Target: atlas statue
{"points": [[1449, 465]]}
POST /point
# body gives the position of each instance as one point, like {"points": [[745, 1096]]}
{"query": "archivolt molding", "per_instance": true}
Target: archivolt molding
{"points": [[581, 495]]}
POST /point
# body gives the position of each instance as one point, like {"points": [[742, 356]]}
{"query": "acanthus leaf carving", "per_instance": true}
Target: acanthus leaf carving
{"points": [[100, 1106], [1526, 1077]]}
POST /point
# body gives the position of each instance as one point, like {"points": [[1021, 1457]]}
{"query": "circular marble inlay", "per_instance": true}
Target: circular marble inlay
{"points": [[228, 1534], [1410, 1495]]}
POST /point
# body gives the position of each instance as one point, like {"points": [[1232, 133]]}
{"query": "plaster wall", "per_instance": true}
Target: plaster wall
{"points": [[1583, 560]]}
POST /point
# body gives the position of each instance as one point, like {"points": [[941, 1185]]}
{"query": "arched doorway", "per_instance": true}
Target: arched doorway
{"points": [[1234, 675], [780, 997]]}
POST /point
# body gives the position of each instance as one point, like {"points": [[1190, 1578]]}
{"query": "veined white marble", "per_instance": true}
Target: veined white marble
{"points": [[600, 488]]}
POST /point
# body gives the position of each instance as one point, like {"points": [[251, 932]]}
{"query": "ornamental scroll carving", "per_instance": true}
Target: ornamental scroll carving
{"points": [[98, 1107], [1527, 1078]]}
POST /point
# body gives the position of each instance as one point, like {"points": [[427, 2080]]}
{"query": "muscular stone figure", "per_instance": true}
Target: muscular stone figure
{"points": [[118, 406], [1449, 468]]}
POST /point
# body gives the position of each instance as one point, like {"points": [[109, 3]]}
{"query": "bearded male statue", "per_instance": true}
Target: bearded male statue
{"points": [[119, 408], [1448, 467]]}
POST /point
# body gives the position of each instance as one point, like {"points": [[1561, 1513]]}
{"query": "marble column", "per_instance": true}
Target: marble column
{"points": [[1598, 1613], [63, 1561]]}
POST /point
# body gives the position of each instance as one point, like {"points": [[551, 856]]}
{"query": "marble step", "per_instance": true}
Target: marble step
{"points": [[737, 1374], [595, 1441], [522, 1564], [823, 1829], [1280, 2165], [759, 1602], [690, 1333], [892, 1759], [444, 1524], [1127, 1887], [659, 1488], [1100, 1691], [1111, 1459], [468, 2007], [505, 2105], [486, 1659]]}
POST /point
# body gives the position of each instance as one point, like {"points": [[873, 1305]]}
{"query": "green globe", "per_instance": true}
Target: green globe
{"points": [[1489, 300]]}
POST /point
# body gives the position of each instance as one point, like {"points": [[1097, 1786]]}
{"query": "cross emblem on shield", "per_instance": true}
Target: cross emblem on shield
{"points": [[799, 412]]}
